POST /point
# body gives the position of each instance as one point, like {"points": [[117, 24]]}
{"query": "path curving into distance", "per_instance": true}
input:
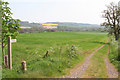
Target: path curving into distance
{"points": [[79, 70], [112, 72]]}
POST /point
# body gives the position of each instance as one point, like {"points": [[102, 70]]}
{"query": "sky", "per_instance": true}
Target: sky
{"points": [[41, 11]]}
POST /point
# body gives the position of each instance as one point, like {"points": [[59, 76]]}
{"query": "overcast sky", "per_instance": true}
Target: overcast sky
{"points": [[81, 11]]}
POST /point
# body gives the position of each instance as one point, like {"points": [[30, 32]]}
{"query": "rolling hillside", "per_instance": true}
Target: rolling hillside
{"points": [[67, 24], [61, 26]]}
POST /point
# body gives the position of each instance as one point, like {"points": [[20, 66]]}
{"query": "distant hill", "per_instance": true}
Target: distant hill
{"points": [[60, 26], [72, 24], [65, 24], [27, 24]]}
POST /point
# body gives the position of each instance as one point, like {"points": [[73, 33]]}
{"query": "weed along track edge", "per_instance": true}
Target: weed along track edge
{"points": [[77, 72], [111, 71]]}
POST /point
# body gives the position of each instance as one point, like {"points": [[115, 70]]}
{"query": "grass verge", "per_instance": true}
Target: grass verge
{"points": [[113, 55]]}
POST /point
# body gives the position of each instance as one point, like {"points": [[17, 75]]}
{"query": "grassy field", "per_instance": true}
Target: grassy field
{"points": [[62, 56]]}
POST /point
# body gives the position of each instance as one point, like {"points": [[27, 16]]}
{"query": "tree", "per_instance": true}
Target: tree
{"points": [[10, 26], [0, 20], [111, 16]]}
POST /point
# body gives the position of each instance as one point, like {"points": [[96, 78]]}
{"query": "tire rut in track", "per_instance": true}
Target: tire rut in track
{"points": [[77, 72]]}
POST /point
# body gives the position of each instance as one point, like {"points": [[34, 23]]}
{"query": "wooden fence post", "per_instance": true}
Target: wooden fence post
{"points": [[9, 52], [47, 53], [6, 61], [24, 68], [72, 47]]}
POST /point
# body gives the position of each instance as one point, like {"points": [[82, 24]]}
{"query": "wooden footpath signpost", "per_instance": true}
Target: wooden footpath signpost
{"points": [[9, 52], [8, 59]]}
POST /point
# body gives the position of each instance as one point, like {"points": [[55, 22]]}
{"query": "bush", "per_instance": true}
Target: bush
{"points": [[113, 55]]}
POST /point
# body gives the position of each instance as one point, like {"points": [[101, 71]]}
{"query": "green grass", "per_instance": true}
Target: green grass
{"points": [[97, 68], [113, 55], [32, 47]]}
